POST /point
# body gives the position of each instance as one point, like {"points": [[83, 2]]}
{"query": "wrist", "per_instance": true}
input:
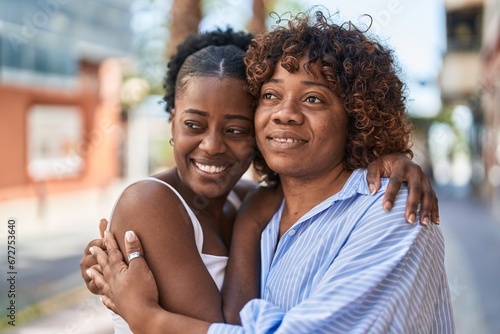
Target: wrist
{"points": [[143, 317]]}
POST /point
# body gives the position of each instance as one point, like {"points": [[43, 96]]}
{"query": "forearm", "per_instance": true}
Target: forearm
{"points": [[152, 319], [241, 282]]}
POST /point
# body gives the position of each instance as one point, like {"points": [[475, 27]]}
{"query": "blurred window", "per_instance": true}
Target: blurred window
{"points": [[56, 148], [43, 42], [464, 29]]}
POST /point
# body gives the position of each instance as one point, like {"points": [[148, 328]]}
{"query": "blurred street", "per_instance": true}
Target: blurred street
{"points": [[50, 240], [50, 250]]}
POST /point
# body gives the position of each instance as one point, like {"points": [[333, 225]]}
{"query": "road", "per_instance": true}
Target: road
{"points": [[49, 254]]}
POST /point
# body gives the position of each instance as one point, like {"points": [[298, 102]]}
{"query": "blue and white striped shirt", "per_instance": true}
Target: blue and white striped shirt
{"points": [[347, 266]]}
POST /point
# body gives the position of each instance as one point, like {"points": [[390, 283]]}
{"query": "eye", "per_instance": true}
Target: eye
{"points": [[236, 131], [268, 96], [313, 99], [192, 125]]}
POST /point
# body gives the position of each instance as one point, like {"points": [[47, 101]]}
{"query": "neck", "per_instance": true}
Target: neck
{"points": [[302, 194]]}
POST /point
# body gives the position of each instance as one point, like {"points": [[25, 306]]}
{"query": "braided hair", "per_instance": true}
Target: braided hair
{"points": [[216, 53]]}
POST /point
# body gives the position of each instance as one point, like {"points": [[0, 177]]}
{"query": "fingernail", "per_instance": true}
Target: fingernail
{"points": [[387, 206], [89, 273], [91, 250], [411, 218], [372, 188], [130, 235], [425, 222], [437, 222]]}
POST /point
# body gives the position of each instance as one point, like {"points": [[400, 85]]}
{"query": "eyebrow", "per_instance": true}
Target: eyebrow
{"points": [[306, 83], [312, 83], [195, 111], [227, 116]]}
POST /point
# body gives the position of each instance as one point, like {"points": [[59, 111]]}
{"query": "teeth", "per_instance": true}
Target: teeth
{"points": [[210, 168], [288, 140]]}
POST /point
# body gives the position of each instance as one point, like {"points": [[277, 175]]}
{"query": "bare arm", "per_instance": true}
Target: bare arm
{"points": [[242, 280], [158, 217]]}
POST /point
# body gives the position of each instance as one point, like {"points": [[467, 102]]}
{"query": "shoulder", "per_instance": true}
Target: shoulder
{"points": [[364, 211], [150, 202], [150, 190]]}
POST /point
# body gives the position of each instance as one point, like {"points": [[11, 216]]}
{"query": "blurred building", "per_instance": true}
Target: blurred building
{"points": [[470, 83], [60, 77], [461, 65], [458, 134], [491, 95]]}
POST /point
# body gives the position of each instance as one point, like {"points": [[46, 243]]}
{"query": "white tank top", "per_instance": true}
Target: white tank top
{"points": [[216, 265]]}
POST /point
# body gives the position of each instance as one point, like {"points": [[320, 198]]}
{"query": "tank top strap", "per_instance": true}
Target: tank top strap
{"points": [[234, 199], [198, 231]]}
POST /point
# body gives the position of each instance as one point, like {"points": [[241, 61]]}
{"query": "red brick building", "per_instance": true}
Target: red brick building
{"points": [[60, 126]]}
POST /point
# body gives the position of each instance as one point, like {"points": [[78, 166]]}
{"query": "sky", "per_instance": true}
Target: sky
{"points": [[415, 29]]}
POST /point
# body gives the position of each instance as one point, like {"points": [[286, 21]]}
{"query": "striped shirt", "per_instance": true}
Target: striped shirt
{"points": [[347, 266]]}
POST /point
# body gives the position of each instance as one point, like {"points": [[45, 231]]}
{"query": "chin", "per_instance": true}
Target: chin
{"points": [[214, 191], [279, 165]]}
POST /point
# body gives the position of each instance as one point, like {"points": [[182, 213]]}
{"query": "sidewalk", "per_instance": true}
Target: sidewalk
{"points": [[51, 296], [76, 311]]}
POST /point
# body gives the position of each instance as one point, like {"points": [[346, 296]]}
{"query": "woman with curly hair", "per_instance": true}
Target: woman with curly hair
{"points": [[333, 260]]}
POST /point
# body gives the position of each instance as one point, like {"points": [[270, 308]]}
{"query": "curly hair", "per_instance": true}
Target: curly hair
{"points": [[214, 53], [360, 71]]}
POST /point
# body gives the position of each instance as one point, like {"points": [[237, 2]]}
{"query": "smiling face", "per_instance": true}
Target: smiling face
{"points": [[301, 124], [212, 128]]}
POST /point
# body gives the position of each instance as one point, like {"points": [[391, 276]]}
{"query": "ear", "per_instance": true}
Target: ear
{"points": [[172, 126]]}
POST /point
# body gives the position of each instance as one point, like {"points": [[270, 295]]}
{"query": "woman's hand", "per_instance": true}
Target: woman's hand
{"points": [[398, 168], [88, 260], [126, 288]]}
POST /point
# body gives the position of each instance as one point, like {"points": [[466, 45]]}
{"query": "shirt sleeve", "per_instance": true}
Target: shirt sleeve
{"points": [[388, 277], [258, 316]]}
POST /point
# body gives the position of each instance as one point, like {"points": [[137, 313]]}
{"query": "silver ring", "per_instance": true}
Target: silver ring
{"points": [[134, 255]]}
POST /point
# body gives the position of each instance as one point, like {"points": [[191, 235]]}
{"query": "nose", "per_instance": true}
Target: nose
{"points": [[213, 143], [288, 112]]}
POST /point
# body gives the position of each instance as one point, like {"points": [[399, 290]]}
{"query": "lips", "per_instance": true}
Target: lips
{"points": [[285, 139], [211, 168]]}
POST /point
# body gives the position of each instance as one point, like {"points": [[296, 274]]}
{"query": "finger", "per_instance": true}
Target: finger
{"points": [[90, 282], [435, 212], [133, 247], [87, 261], [429, 207], [100, 255], [98, 280], [414, 196], [109, 304], [373, 175], [414, 181], [103, 225], [391, 192], [114, 252], [95, 242]]}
